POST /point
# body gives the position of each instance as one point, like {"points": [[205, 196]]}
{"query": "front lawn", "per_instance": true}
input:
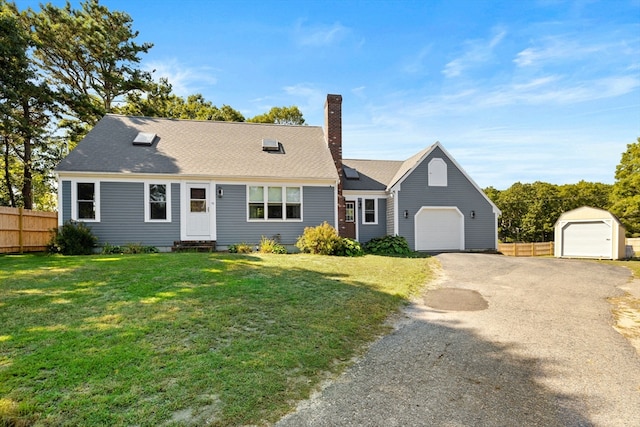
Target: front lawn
{"points": [[185, 339]]}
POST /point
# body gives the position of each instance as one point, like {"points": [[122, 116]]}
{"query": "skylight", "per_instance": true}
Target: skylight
{"points": [[270, 145], [144, 138], [350, 173]]}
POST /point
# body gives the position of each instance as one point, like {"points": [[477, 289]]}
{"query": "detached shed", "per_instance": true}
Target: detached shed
{"points": [[589, 232]]}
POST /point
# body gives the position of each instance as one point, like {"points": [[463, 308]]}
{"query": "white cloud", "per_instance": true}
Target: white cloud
{"points": [[184, 80], [477, 52], [319, 35]]}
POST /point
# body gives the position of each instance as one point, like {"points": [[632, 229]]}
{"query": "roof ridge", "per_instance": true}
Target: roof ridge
{"points": [[208, 121]]}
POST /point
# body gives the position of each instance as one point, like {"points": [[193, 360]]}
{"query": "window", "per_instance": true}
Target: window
{"points": [[369, 212], [158, 202], [437, 173], [351, 211], [275, 203], [86, 200]]}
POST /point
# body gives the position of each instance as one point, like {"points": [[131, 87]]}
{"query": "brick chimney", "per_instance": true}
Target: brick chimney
{"points": [[333, 133]]}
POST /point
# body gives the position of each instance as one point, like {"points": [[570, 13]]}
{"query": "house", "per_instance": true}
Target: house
{"points": [[588, 232], [160, 181]]}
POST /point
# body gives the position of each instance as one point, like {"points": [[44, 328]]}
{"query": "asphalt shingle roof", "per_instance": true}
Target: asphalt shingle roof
{"points": [[202, 148], [373, 174]]}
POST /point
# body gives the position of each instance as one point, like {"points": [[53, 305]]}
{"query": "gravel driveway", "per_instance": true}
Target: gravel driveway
{"points": [[500, 342]]}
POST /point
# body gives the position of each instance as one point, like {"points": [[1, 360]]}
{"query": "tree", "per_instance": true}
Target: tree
{"points": [[280, 116], [625, 195], [583, 193], [530, 211], [159, 101], [26, 106], [90, 58]]}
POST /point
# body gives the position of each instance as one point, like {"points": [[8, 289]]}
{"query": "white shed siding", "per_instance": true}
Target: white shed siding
{"points": [[589, 233]]}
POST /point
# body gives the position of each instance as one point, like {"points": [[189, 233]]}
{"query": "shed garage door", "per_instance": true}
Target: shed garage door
{"points": [[439, 228], [587, 239]]}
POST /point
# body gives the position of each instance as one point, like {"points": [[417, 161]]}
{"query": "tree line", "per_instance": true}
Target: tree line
{"points": [[530, 210], [63, 69]]}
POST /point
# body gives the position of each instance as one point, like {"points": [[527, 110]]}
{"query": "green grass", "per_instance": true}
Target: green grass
{"points": [[185, 339]]}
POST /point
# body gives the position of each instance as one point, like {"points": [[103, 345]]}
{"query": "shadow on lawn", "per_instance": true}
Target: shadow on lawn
{"points": [[157, 332], [436, 373]]}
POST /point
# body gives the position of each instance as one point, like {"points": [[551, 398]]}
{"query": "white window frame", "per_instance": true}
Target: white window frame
{"points": [[74, 199], [437, 172], [375, 210], [147, 201], [265, 202]]}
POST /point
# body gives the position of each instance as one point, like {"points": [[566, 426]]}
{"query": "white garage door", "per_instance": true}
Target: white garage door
{"points": [[439, 229], [587, 239]]}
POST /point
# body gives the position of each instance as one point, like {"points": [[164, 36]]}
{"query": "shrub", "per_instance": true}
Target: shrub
{"points": [[138, 248], [348, 247], [270, 246], [321, 240], [109, 249], [240, 248], [387, 245], [72, 238]]}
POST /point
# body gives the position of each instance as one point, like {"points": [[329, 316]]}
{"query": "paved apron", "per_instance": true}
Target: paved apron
{"points": [[502, 342]]}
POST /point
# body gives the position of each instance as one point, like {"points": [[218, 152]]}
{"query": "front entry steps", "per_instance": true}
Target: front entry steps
{"points": [[194, 246]]}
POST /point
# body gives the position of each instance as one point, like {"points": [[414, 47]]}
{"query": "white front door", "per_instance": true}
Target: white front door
{"points": [[198, 218]]}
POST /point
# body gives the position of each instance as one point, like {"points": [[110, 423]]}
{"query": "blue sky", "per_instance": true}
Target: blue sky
{"points": [[545, 90]]}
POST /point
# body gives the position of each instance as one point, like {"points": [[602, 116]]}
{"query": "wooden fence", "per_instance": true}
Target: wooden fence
{"points": [[526, 249], [24, 230]]}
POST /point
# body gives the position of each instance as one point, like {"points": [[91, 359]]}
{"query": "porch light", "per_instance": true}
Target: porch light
{"points": [[406, 214], [220, 192], [473, 214]]}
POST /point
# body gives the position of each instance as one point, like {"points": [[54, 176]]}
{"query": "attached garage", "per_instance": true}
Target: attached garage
{"points": [[589, 233], [439, 228]]}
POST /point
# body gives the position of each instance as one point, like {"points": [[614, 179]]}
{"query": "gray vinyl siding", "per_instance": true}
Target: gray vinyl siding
{"points": [[479, 233], [232, 225], [122, 215], [65, 204], [367, 232]]}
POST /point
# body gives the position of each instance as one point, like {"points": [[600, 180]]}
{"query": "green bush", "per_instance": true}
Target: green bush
{"points": [[240, 248], [109, 249], [270, 246], [321, 240], [348, 247], [72, 238], [387, 245]]}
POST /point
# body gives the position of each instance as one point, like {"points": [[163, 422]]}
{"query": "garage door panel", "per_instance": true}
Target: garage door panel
{"points": [[439, 229], [587, 239]]}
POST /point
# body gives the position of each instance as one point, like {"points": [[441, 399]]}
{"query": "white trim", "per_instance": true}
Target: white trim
{"points": [[265, 203], [375, 210], [135, 177], [147, 206], [185, 202], [559, 235], [437, 171], [427, 208], [74, 199], [363, 193], [396, 214]]}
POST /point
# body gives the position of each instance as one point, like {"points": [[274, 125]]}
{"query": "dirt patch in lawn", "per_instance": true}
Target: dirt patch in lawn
{"points": [[626, 310]]}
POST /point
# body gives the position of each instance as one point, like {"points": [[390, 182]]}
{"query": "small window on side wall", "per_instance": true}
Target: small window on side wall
{"points": [[158, 202], [86, 194], [437, 173]]}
